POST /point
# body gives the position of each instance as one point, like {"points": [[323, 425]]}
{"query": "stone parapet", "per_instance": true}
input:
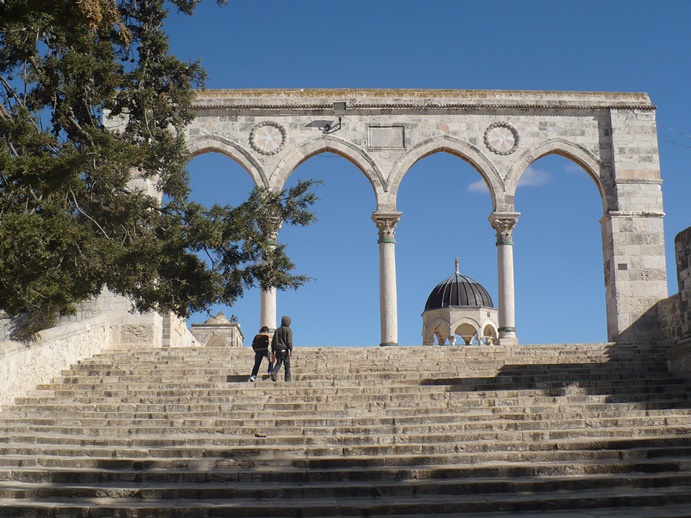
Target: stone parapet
{"points": [[23, 366]]}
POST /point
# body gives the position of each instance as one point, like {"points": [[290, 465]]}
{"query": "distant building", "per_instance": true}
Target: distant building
{"points": [[459, 306], [218, 331]]}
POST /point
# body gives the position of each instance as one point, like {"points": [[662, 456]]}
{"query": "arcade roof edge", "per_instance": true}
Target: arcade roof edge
{"points": [[318, 99]]}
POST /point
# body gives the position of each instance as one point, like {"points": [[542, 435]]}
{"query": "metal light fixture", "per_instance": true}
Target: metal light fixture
{"points": [[339, 108]]}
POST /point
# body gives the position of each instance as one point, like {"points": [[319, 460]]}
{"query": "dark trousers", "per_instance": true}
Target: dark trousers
{"points": [[258, 357], [282, 357]]}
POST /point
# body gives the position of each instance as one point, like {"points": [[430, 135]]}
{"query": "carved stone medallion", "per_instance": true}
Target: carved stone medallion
{"points": [[501, 138], [268, 138]]}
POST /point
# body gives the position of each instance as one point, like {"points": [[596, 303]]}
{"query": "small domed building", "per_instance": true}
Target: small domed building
{"points": [[459, 306], [218, 331]]}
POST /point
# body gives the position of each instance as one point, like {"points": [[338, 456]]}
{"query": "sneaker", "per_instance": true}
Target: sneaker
{"points": [[252, 378]]}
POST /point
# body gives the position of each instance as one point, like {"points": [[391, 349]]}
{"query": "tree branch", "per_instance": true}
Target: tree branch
{"points": [[76, 204]]}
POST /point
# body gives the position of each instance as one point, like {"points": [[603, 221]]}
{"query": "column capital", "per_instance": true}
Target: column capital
{"points": [[270, 226], [386, 223], [270, 222], [504, 223]]}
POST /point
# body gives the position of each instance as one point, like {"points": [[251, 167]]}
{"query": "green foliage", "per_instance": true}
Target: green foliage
{"points": [[70, 222]]}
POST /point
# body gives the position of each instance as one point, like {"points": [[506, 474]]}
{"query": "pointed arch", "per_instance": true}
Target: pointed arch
{"points": [[439, 328], [214, 143], [463, 150], [455, 324], [489, 329], [328, 143], [467, 329], [558, 146]]}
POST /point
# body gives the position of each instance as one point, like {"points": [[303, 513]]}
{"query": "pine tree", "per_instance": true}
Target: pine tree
{"points": [[70, 225]]}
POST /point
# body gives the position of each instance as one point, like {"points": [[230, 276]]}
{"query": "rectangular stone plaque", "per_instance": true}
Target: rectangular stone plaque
{"points": [[386, 137]]}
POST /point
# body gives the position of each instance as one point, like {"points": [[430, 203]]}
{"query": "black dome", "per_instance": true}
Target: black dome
{"points": [[458, 290]]}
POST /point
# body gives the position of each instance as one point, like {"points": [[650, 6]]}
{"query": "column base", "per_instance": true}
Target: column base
{"points": [[508, 340], [388, 344]]}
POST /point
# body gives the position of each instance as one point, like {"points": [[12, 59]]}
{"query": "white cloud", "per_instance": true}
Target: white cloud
{"points": [[533, 177], [478, 186]]}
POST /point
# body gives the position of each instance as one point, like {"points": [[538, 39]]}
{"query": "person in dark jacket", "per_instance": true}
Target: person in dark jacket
{"points": [[282, 346], [261, 344]]}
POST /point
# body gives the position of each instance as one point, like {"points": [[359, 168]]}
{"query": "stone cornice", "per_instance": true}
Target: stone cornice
{"points": [[393, 99]]}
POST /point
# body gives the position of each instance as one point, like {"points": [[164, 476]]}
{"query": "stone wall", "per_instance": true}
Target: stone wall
{"points": [[675, 312], [130, 328], [22, 367], [176, 333], [668, 314], [682, 247], [5, 326]]}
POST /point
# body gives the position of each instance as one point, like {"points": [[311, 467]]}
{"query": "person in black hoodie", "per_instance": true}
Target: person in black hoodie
{"points": [[282, 346]]}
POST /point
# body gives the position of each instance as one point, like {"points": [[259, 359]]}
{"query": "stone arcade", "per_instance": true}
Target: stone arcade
{"points": [[612, 136]]}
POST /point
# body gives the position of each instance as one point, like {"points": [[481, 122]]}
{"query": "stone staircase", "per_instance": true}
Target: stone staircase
{"points": [[559, 430]]}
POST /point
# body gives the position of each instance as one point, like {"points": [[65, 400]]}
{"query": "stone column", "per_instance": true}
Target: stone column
{"points": [[267, 298], [267, 309], [504, 223], [388, 305]]}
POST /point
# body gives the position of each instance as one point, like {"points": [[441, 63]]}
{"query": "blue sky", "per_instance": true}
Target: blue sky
{"points": [[588, 45]]}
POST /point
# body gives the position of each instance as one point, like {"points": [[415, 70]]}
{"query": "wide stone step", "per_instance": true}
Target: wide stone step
{"points": [[537, 463], [182, 411], [537, 426], [287, 392], [355, 360], [490, 448], [320, 489], [270, 425], [491, 419], [224, 413], [469, 382], [472, 439], [367, 358], [355, 506], [637, 467], [223, 403]]}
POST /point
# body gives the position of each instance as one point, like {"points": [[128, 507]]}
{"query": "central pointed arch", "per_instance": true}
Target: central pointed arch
{"points": [[463, 150]]}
